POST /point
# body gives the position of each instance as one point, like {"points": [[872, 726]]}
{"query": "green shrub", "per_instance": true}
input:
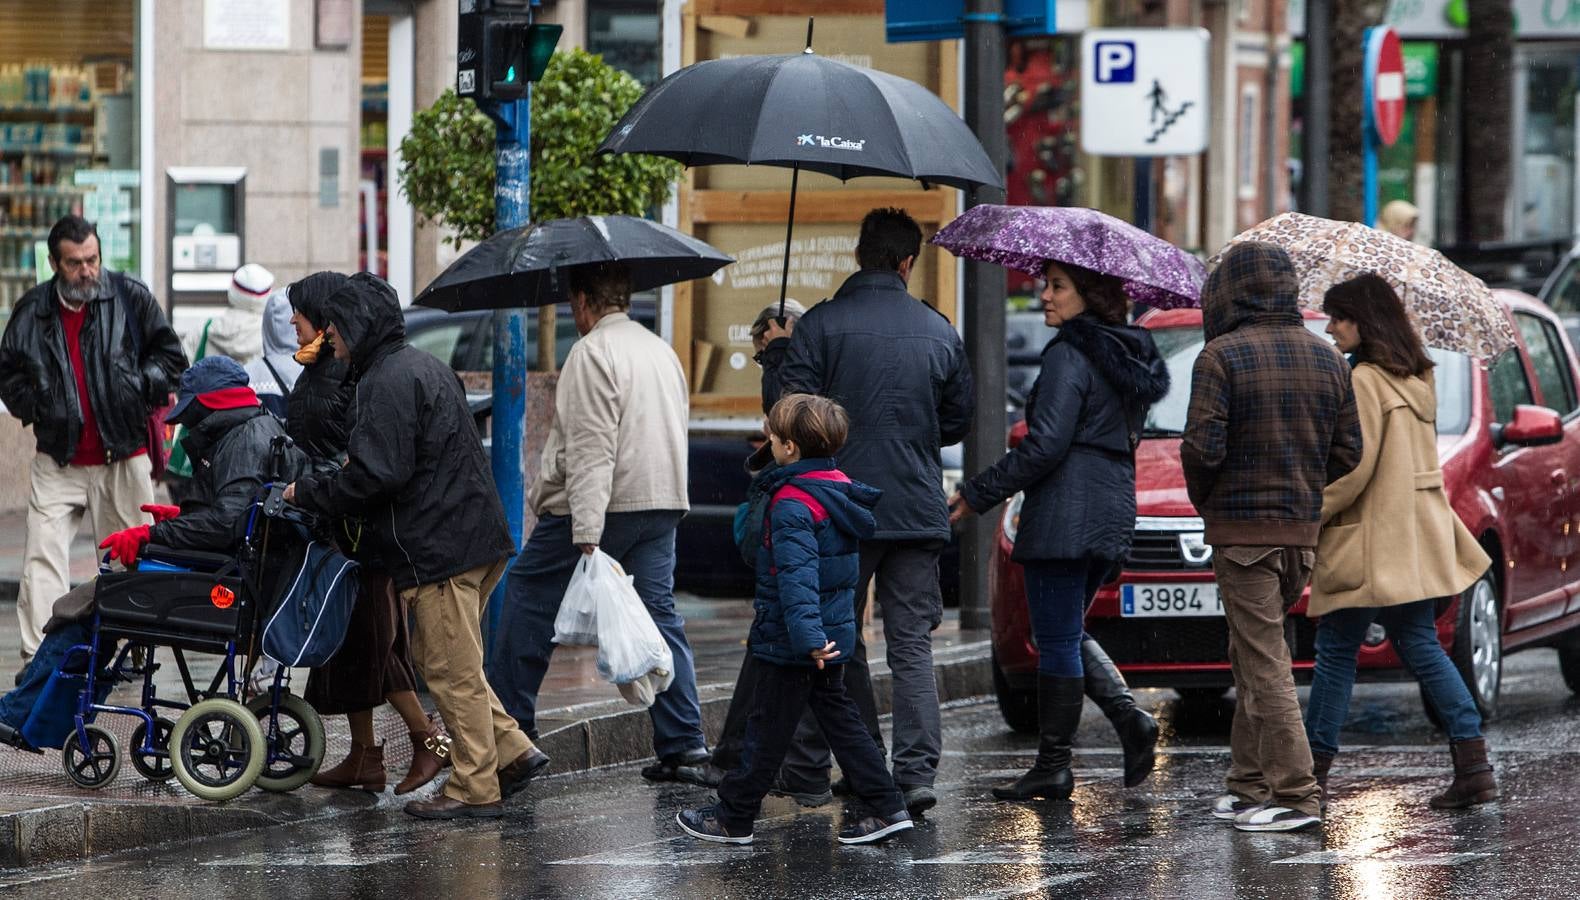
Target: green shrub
{"points": [[448, 157]]}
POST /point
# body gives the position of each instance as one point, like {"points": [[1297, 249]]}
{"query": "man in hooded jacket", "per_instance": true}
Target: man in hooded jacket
{"points": [[416, 471], [1272, 422]]}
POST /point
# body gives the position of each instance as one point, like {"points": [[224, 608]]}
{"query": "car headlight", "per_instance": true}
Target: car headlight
{"points": [[1012, 517]]}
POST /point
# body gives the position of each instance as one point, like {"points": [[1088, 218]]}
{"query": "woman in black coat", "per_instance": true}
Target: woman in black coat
{"points": [[1077, 470], [374, 665]]}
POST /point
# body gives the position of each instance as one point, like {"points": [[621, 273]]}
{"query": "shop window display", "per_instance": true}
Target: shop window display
{"points": [[68, 134]]}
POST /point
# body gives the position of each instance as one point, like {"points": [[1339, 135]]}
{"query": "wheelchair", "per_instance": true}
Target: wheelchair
{"points": [[214, 741]]}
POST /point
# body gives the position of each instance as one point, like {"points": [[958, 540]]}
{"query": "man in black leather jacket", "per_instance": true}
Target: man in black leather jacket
{"points": [[86, 357]]}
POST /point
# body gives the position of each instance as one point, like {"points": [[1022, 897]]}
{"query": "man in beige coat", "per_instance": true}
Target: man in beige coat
{"points": [[1390, 543], [613, 478]]}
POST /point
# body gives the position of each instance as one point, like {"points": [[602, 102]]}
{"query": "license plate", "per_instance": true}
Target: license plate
{"points": [[1197, 599]]}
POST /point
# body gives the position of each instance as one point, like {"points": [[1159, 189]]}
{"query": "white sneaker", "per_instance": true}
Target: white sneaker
{"points": [[1275, 818], [1228, 806]]}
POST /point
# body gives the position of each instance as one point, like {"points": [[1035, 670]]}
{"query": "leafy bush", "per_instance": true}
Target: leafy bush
{"points": [[448, 157]]}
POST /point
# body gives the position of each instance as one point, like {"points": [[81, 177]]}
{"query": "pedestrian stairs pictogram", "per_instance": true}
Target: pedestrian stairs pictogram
{"points": [[1159, 99]]}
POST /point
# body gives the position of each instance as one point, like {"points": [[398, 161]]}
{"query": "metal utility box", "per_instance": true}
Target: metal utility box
{"points": [[204, 225]]}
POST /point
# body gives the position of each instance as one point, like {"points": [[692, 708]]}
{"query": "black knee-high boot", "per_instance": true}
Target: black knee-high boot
{"points": [[1138, 731], [1059, 702]]}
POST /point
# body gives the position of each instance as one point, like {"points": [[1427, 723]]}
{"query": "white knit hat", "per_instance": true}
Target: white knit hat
{"points": [[250, 286]]}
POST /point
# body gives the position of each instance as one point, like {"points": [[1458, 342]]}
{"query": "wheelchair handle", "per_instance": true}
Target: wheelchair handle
{"points": [[277, 448]]}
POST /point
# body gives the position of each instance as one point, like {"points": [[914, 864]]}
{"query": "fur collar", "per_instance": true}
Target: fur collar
{"points": [[1124, 354]]}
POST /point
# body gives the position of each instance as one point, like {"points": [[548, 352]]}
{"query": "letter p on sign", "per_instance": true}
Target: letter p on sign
{"points": [[1115, 62]]}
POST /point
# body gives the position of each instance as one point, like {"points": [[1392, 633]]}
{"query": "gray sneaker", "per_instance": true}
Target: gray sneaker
{"points": [[873, 829], [1230, 806], [1275, 818]]}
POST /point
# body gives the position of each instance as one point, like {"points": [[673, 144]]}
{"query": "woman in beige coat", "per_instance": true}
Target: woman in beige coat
{"points": [[1390, 543]]}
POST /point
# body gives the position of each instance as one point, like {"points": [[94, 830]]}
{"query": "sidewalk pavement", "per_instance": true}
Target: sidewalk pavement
{"points": [[583, 724]]}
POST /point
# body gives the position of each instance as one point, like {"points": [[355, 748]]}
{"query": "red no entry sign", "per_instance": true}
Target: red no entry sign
{"points": [[1385, 84]]}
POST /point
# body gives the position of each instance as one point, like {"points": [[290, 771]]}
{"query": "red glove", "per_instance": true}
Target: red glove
{"points": [[125, 545], [160, 511]]}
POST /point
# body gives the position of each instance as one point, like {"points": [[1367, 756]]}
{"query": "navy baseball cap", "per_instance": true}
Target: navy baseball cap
{"points": [[217, 382]]}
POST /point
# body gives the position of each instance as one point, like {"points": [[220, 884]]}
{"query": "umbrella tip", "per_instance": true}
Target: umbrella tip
{"points": [[808, 35]]}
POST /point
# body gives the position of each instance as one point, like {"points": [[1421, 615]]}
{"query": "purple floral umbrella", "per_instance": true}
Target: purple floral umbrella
{"points": [[1026, 238]]}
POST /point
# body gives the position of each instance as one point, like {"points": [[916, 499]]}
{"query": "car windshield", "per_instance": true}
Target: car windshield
{"points": [[1180, 346]]}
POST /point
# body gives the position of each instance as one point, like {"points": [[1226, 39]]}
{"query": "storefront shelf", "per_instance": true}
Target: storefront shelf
{"points": [[81, 150], [39, 190], [7, 232], [30, 111], [17, 274]]}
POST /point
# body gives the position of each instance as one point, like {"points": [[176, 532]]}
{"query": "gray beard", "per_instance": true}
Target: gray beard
{"points": [[76, 294]]}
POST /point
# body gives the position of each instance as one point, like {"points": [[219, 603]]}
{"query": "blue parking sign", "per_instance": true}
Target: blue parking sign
{"points": [[1114, 62]]}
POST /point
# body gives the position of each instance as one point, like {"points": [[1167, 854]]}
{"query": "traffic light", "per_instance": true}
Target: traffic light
{"points": [[499, 50]]}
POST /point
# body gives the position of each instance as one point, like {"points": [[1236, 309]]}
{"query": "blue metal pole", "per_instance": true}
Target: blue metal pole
{"points": [[513, 160], [1370, 160], [1373, 49]]}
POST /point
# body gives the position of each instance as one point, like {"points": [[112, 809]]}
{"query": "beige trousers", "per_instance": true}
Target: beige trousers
{"points": [[108, 495], [447, 647], [1270, 760]]}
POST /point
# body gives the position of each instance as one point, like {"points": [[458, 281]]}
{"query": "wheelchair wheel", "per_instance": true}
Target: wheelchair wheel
{"points": [[301, 734], [95, 767], [216, 749], [148, 765]]}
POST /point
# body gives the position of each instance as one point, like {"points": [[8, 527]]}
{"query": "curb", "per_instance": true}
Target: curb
{"points": [[605, 733], [614, 732], [77, 830]]}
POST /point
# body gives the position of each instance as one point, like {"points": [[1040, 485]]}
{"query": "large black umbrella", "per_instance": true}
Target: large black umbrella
{"points": [[529, 266], [803, 111]]}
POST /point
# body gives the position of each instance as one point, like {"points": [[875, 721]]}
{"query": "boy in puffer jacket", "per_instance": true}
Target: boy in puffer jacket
{"points": [[807, 568]]}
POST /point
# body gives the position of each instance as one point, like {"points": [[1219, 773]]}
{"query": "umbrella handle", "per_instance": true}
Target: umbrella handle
{"points": [[784, 281]]}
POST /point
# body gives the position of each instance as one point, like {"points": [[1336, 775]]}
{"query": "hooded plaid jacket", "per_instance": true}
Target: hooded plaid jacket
{"points": [[1272, 416]]}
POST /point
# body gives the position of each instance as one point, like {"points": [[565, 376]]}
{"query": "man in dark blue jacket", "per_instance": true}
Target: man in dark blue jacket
{"points": [[900, 369]]}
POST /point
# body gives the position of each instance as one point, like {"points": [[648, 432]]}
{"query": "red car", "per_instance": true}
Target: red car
{"points": [[1509, 438]]}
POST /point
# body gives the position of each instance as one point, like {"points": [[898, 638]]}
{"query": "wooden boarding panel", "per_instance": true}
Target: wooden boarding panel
{"points": [[742, 209]]}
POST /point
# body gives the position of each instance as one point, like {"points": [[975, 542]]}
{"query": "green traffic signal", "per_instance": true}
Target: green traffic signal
{"points": [[510, 74]]}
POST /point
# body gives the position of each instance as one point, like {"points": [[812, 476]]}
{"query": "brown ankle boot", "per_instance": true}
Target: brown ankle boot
{"points": [[1473, 781], [430, 753], [363, 768]]}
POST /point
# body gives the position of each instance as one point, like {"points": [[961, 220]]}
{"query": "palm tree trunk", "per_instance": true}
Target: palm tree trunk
{"points": [[1346, 172], [1487, 167]]}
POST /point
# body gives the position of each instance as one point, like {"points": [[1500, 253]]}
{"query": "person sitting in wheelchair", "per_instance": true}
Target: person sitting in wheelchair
{"points": [[229, 437]]}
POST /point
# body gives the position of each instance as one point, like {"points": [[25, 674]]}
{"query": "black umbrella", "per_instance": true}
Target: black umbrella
{"points": [[529, 266], [804, 112]]}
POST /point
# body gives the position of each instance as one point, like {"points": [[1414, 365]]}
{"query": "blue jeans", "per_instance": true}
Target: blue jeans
{"points": [[644, 543], [1057, 594], [16, 705], [1413, 630]]}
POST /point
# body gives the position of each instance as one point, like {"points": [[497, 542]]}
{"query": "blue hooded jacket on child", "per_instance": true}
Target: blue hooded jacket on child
{"points": [[809, 562]]}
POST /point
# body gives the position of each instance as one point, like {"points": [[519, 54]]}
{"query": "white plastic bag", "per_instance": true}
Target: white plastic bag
{"points": [[576, 624], [630, 648]]}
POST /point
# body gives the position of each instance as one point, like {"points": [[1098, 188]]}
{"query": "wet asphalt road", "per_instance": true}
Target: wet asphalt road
{"points": [[609, 835]]}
